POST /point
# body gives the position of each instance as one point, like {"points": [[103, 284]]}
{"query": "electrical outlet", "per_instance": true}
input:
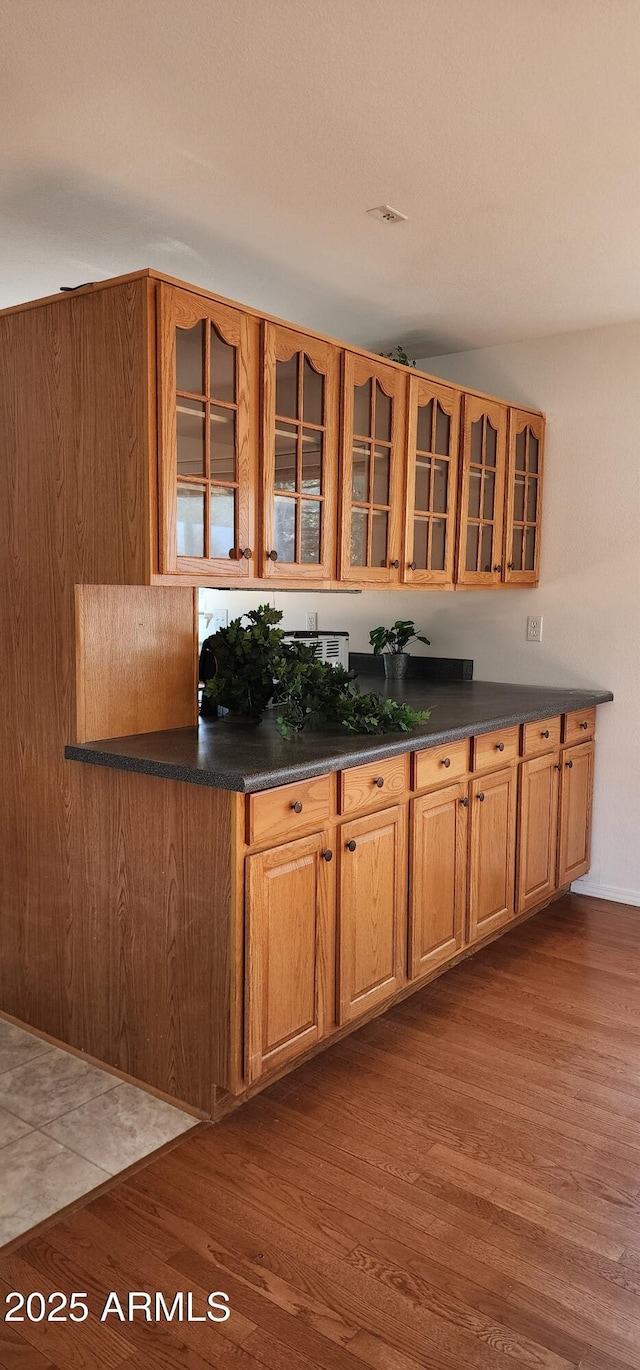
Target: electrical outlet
{"points": [[534, 629], [311, 621]]}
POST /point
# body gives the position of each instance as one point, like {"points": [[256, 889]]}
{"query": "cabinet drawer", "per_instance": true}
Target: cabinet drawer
{"points": [[541, 736], [495, 749], [277, 815], [372, 786], [438, 765], [580, 726]]}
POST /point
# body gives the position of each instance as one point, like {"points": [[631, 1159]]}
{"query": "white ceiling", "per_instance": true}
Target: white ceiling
{"points": [[238, 144]]}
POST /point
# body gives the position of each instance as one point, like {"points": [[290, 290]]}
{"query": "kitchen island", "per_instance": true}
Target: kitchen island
{"points": [[252, 899]]}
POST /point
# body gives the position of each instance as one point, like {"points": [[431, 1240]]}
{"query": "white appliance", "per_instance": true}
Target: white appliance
{"points": [[329, 646]]}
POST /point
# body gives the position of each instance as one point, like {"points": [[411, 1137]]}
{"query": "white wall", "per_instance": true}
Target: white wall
{"points": [[589, 385]]}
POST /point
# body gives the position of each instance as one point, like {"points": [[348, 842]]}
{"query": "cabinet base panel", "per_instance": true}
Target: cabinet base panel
{"points": [[222, 1102]]}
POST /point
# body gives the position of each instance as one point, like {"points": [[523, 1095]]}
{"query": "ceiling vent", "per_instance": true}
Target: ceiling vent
{"points": [[387, 214]]}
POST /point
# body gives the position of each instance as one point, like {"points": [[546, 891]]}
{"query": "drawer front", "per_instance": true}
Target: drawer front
{"points": [[580, 726], [277, 815], [439, 765], [373, 786], [496, 749], [541, 736]]}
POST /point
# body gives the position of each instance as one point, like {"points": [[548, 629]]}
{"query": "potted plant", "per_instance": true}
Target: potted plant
{"points": [[392, 642]]}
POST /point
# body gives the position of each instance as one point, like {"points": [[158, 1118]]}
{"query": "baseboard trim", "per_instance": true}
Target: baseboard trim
{"points": [[618, 896]]}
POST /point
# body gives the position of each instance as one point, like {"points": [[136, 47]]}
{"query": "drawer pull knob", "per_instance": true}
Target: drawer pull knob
{"points": [[557, 766], [246, 553], [327, 855], [569, 765], [351, 846], [481, 797], [379, 781], [584, 725], [446, 761], [296, 806], [413, 565], [395, 564], [511, 566], [497, 568], [273, 556], [465, 803], [499, 746], [545, 732]]}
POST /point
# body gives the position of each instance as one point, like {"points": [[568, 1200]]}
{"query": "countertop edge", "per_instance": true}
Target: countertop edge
{"points": [[99, 754]]}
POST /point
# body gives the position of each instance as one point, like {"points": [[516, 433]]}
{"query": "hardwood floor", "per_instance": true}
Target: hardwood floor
{"points": [[456, 1185]]}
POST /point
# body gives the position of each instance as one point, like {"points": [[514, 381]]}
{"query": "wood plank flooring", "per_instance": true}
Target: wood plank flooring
{"points": [[456, 1185]]}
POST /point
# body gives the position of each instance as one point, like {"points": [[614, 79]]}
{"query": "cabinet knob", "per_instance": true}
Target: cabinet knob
{"points": [[497, 568], [446, 761], [413, 565], [379, 781], [584, 725], [465, 803], [545, 732], [327, 855], [481, 797], [569, 765], [296, 806], [557, 766], [395, 564], [499, 746], [273, 556], [246, 553], [511, 566], [351, 846]]}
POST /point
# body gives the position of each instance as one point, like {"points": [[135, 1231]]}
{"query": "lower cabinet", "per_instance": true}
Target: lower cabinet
{"points": [[538, 830], [289, 951], [576, 791], [492, 851], [372, 911], [437, 877]]}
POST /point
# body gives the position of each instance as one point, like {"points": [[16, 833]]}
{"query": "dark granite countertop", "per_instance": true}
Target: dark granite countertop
{"points": [[248, 757]]}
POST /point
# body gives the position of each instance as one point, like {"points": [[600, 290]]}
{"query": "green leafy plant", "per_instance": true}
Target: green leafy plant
{"points": [[396, 638], [399, 355], [255, 666]]}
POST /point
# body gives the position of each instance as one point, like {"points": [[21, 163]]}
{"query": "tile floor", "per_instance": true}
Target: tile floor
{"points": [[66, 1127]]}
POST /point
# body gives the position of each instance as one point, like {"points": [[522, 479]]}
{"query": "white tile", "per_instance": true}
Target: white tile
{"points": [[38, 1177], [18, 1046], [50, 1086], [10, 1129], [120, 1127]]}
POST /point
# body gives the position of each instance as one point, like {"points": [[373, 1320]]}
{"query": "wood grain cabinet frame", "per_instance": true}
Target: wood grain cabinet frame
{"points": [[492, 851], [372, 910], [300, 419], [372, 471], [537, 830], [482, 483], [576, 797], [437, 877], [207, 437], [433, 415], [523, 502]]}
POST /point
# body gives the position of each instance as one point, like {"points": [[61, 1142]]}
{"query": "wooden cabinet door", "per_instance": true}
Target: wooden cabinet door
{"points": [[300, 456], [373, 425], [372, 911], [492, 859], [289, 951], [482, 485], [207, 442], [437, 877], [537, 830], [523, 498], [576, 794], [432, 475]]}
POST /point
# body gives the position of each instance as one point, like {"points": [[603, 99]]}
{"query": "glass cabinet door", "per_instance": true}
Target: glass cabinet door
{"points": [[483, 456], [524, 498], [206, 447], [432, 473], [300, 444], [372, 459]]}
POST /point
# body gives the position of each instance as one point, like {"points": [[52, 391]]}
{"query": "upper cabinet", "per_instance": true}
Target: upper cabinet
{"points": [[373, 426], [483, 457], [206, 452], [285, 458], [432, 477], [524, 498], [301, 378]]}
